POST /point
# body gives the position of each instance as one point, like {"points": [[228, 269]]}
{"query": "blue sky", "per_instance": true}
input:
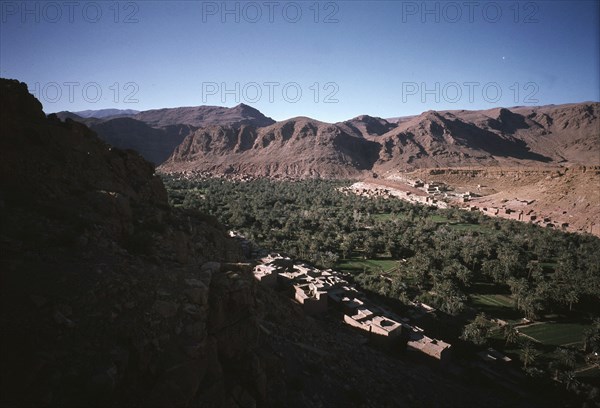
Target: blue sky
{"points": [[327, 60]]}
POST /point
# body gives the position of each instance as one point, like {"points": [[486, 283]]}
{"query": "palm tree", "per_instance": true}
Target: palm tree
{"points": [[591, 337], [566, 357], [571, 297], [477, 330], [568, 378], [519, 289], [511, 334], [528, 354]]}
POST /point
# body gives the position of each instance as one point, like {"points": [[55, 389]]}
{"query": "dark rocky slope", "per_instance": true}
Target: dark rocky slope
{"points": [[154, 144], [108, 298]]}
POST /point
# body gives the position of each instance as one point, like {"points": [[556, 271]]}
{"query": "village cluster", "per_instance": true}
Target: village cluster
{"points": [[317, 290], [440, 195], [371, 190]]}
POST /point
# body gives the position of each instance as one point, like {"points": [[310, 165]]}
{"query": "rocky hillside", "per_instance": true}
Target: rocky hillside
{"points": [[570, 132], [366, 126], [201, 116], [299, 147], [154, 144], [156, 133], [108, 296], [303, 147], [563, 134]]}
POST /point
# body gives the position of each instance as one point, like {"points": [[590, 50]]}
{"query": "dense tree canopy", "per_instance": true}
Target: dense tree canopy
{"points": [[439, 253]]}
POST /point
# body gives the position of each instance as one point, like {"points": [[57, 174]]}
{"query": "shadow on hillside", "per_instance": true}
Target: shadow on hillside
{"points": [[494, 144]]}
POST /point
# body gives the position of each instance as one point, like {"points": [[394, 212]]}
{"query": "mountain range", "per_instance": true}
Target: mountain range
{"points": [[241, 140], [106, 113], [156, 133]]}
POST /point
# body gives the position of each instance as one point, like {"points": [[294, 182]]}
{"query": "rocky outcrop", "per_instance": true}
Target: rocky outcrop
{"points": [[367, 126]]}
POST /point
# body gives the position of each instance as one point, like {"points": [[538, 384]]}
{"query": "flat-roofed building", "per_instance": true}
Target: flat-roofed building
{"points": [[384, 326], [437, 349], [266, 274], [493, 356], [338, 293], [381, 330], [313, 301], [278, 260], [350, 304], [287, 279], [307, 270]]}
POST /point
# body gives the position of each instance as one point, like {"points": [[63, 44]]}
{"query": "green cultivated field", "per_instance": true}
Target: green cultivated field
{"points": [[358, 264], [556, 334], [439, 219], [389, 217], [493, 300], [468, 227]]}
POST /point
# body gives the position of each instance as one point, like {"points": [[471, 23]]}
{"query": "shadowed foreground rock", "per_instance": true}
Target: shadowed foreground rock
{"points": [[108, 298]]}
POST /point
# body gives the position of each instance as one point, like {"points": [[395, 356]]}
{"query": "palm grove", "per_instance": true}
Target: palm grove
{"points": [[440, 256]]}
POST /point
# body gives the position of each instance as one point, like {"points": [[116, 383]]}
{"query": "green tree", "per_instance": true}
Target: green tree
{"points": [[510, 333], [571, 297], [477, 331], [591, 337], [529, 353], [566, 357], [448, 298], [370, 247], [519, 289], [347, 246]]}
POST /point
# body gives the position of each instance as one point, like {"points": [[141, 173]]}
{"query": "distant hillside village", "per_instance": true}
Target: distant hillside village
{"points": [[441, 195], [319, 290]]}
